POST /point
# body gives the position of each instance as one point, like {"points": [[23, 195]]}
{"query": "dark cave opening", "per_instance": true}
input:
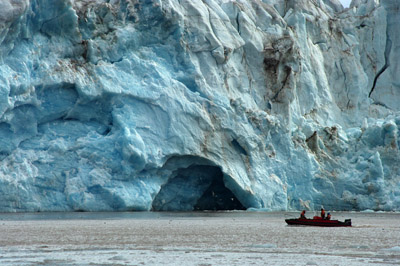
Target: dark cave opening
{"points": [[196, 188], [217, 197]]}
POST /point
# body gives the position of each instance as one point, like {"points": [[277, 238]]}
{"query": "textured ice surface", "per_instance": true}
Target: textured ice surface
{"points": [[182, 105], [200, 238]]}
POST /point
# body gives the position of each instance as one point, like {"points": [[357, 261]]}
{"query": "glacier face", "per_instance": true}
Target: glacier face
{"points": [[191, 105]]}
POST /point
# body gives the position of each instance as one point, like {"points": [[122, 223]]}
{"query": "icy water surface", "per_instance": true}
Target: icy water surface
{"points": [[199, 238]]}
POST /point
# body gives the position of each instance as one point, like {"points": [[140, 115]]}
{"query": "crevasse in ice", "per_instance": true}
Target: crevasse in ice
{"points": [[196, 105]]}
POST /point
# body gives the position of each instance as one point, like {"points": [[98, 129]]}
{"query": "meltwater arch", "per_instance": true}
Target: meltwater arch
{"points": [[194, 183]]}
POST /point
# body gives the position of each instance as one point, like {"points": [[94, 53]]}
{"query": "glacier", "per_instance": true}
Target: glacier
{"points": [[182, 105]]}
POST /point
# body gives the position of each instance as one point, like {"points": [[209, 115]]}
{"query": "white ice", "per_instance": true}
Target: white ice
{"points": [[227, 238], [178, 105]]}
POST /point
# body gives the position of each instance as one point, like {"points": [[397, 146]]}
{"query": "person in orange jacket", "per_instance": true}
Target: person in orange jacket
{"points": [[322, 213], [303, 215]]}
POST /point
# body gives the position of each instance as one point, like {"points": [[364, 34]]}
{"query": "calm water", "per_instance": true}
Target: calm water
{"points": [[199, 238]]}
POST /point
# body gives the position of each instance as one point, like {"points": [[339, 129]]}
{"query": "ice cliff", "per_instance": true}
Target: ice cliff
{"points": [[196, 105]]}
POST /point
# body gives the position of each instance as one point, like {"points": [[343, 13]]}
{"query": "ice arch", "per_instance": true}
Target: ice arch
{"points": [[194, 183]]}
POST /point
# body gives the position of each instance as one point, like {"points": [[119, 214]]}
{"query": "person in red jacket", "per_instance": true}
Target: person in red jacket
{"points": [[322, 213], [303, 215]]}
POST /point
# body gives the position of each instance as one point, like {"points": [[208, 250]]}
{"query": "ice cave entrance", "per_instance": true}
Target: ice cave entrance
{"points": [[196, 188]]}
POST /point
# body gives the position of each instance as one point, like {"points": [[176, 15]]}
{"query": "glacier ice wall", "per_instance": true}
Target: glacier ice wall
{"points": [[191, 105]]}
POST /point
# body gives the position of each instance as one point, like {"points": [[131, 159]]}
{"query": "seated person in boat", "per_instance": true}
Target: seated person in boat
{"points": [[328, 217], [303, 215]]}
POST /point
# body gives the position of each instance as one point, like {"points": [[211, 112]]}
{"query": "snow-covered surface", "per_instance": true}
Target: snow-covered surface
{"points": [[182, 105], [233, 238]]}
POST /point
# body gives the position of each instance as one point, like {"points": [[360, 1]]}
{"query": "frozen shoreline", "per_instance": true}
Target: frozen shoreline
{"points": [[222, 238]]}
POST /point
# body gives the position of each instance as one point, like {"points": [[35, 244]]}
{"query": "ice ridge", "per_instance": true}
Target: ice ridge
{"points": [[167, 105]]}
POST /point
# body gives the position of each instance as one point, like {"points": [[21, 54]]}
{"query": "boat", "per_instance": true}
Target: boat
{"points": [[318, 221]]}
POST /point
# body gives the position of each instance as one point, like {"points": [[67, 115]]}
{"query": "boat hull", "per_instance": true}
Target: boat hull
{"points": [[318, 222]]}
